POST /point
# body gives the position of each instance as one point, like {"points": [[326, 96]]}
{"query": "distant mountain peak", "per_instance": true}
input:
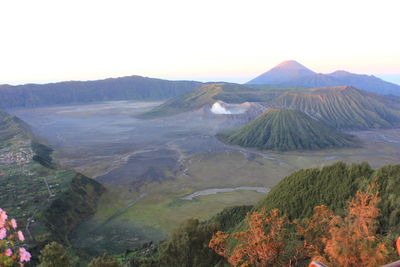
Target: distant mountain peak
{"points": [[291, 64], [292, 73], [341, 73], [290, 69]]}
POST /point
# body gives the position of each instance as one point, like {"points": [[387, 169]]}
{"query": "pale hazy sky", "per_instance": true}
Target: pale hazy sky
{"points": [[53, 40]]}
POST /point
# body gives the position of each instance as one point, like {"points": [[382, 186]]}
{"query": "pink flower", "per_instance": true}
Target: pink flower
{"points": [[8, 252], [13, 223], [3, 218], [3, 233], [24, 256], [21, 236]]}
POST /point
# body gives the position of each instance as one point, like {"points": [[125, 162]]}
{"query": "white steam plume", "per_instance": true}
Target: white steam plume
{"points": [[218, 109]]}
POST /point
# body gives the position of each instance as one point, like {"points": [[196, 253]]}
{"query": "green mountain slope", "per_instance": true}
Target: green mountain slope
{"points": [[333, 186], [343, 107], [33, 189], [11, 126], [283, 129], [125, 88]]}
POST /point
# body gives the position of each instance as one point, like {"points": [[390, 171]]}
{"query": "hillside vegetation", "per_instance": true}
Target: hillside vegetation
{"points": [[295, 196], [11, 126], [74, 203], [46, 200], [334, 185], [284, 129], [76, 92], [343, 107]]}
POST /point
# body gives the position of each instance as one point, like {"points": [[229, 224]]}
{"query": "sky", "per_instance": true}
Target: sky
{"points": [[219, 40]]}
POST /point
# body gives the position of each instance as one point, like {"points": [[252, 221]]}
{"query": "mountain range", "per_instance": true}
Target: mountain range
{"points": [[77, 92], [342, 107], [285, 76], [292, 73]]}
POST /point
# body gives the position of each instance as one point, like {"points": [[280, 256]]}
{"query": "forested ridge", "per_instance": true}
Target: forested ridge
{"points": [[135, 88]]}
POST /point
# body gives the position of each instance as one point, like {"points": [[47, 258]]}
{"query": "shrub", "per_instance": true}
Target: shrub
{"points": [[11, 252]]}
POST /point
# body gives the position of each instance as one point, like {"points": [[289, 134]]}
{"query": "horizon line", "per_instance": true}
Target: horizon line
{"points": [[392, 78]]}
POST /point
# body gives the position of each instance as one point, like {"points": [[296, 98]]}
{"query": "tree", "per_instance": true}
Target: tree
{"points": [[262, 244], [314, 231], [353, 240], [325, 237], [188, 246], [54, 255]]}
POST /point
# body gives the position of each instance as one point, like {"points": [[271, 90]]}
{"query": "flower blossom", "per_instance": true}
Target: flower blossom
{"points": [[3, 218], [8, 252], [21, 236], [3, 233], [9, 235], [13, 223], [24, 256]]}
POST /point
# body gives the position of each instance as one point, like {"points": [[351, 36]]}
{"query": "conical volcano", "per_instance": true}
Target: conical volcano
{"points": [[283, 72], [285, 129]]}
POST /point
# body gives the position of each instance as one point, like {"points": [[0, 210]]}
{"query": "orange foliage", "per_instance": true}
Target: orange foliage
{"points": [[327, 238], [218, 243], [260, 245], [315, 231], [353, 240]]}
